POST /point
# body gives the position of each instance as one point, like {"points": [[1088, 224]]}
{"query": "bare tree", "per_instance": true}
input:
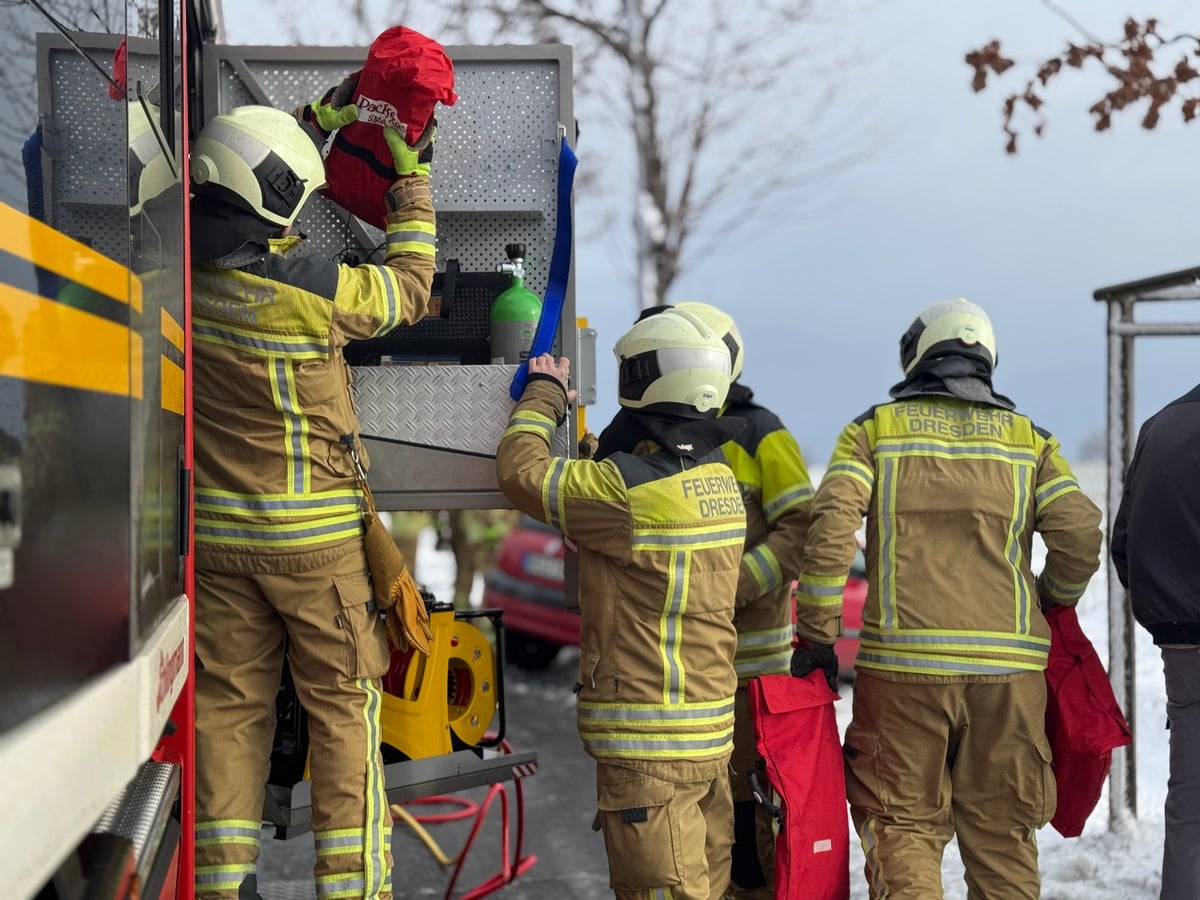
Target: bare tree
{"points": [[1143, 72], [716, 115]]}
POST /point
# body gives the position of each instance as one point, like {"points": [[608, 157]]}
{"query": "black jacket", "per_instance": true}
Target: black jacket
{"points": [[1156, 535]]}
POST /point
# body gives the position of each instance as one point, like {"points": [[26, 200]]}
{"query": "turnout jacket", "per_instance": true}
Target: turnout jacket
{"points": [[1157, 529], [952, 492], [272, 394], [777, 491], [660, 540]]}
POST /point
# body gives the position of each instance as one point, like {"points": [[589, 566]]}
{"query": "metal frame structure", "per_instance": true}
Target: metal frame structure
{"points": [[1123, 328]]}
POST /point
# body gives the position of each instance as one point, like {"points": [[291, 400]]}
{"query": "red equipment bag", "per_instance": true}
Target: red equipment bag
{"points": [[797, 735], [405, 76], [1084, 723]]}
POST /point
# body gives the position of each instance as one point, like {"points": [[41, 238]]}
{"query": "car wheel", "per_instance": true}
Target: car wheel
{"points": [[528, 652]]}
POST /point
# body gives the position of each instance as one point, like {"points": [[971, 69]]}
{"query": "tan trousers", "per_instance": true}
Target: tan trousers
{"points": [[337, 652], [665, 840], [928, 761], [753, 870]]}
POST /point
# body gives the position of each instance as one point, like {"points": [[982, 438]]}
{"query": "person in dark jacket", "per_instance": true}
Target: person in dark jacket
{"points": [[1156, 551]]}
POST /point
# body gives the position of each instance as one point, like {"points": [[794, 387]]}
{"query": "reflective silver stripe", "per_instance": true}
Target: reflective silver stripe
{"points": [[887, 548], [658, 744], [786, 500], [751, 639], [1022, 478], [279, 533], [1055, 488], [392, 318], [284, 391], [227, 828], [343, 884], [227, 877], [670, 624], [554, 478], [866, 659], [299, 347], [538, 423], [407, 235], [647, 540], [874, 869], [892, 447], [805, 586], [1062, 590], [378, 827], [264, 504], [955, 641], [609, 713], [765, 566], [854, 470], [335, 843], [763, 665]]}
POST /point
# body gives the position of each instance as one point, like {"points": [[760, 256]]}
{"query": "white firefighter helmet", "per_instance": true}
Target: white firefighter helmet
{"points": [[264, 157], [950, 328], [150, 170], [672, 362], [722, 323]]}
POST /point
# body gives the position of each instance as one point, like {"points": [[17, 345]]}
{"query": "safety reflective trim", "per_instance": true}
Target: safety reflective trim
{"points": [[1021, 479], [822, 585], [775, 663], [887, 546], [896, 447], [703, 711], [343, 884], [764, 566], [530, 422], [295, 424], [695, 538], [341, 840], [853, 469], [393, 311], [378, 826], [1061, 590], [297, 347], [281, 535], [1053, 489], [874, 868], [669, 626], [277, 505], [644, 746], [227, 877], [785, 501], [227, 831], [552, 500], [937, 665], [749, 640], [960, 640], [412, 237]]}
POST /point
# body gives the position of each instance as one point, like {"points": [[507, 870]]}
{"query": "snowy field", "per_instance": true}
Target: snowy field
{"points": [[1118, 860]]}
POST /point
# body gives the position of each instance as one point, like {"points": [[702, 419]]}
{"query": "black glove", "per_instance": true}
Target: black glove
{"points": [[816, 656]]}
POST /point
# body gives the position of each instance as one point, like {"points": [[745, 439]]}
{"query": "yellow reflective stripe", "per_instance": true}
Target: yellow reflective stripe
{"points": [[776, 506], [338, 841], [967, 642], [749, 640], [773, 664], [701, 538], [851, 468], [920, 663], [1061, 590], [29, 239], [227, 831], [378, 825], [64, 346], [764, 566], [256, 343], [413, 236], [894, 447], [300, 534], [642, 746], [702, 711], [171, 389], [222, 878], [886, 499], [237, 504], [1053, 489], [1023, 609], [526, 422]]}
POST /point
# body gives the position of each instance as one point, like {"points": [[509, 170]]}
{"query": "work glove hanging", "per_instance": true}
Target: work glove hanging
{"points": [[816, 656], [415, 159], [405, 615], [330, 111]]}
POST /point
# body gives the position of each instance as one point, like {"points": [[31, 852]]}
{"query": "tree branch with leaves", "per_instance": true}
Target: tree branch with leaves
{"points": [[1145, 68]]}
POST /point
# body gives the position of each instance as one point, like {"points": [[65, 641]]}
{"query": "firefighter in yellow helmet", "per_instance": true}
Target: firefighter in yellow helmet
{"points": [[777, 491], [947, 736], [660, 525], [280, 565]]}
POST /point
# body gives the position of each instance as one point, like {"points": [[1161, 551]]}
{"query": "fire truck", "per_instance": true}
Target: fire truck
{"points": [[98, 107]]}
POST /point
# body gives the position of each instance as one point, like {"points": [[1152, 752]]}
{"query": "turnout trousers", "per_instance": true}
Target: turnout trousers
{"points": [[666, 839], [927, 760], [1181, 848], [336, 648]]}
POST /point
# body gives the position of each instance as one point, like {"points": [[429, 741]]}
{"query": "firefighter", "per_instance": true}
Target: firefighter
{"points": [[660, 527], [474, 535], [280, 565], [947, 736], [778, 494]]}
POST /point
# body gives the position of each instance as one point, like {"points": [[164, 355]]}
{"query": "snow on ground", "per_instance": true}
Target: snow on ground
{"points": [[1111, 860]]}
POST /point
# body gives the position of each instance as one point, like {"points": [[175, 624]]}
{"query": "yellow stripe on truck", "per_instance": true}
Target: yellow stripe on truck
{"points": [[52, 250], [61, 345]]}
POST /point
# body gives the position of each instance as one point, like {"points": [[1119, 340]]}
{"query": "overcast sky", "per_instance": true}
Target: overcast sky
{"points": [[937, 211]]}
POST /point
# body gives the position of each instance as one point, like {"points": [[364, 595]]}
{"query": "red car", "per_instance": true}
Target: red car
{"points": [[526, 582]]}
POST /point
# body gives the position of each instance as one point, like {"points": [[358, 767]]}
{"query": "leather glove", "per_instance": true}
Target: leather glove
{"points": [[588, 445], [331, 111], [415, 159], [407, 620], [816, 656]]}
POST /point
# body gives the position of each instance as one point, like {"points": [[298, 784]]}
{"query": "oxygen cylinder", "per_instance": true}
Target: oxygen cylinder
{"points": [[515, 313]]}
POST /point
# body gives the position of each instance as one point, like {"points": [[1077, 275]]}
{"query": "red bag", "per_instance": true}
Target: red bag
{"points": [[1084, 723], [797, 735], [405, 76]]}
